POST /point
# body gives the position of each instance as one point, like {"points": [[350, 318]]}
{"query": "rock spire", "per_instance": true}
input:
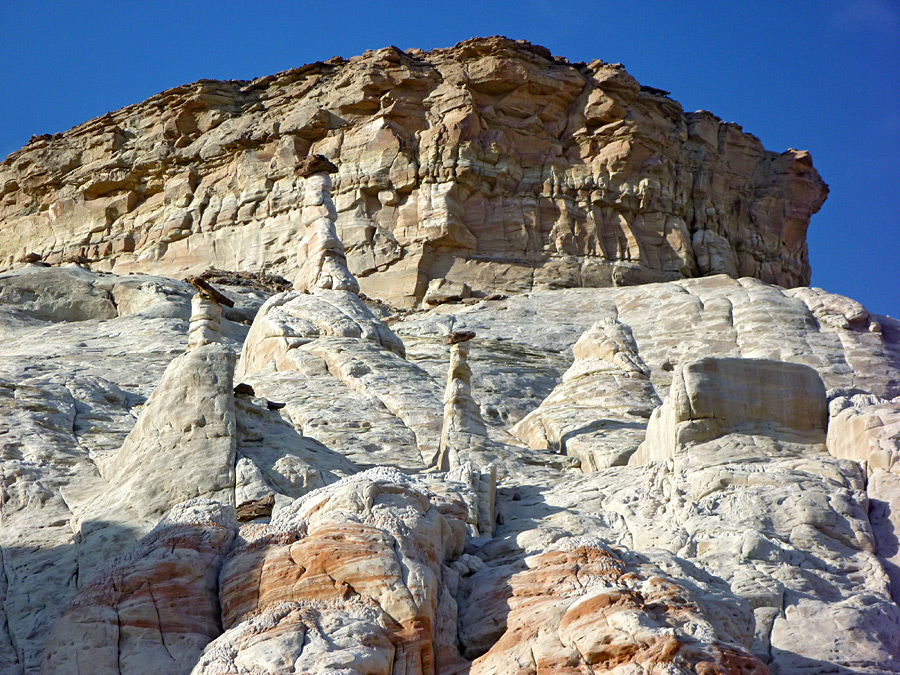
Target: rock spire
{"points": [[320, 256], [462, 419]]}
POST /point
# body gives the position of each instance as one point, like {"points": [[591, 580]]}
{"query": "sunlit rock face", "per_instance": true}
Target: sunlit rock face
{"points": [[503, 470], [692, 476], [488, 166]]}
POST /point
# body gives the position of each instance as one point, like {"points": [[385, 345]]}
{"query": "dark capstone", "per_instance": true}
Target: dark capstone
{"points": [[244, 389], [459, 336], [256, 508], [207, 291]]}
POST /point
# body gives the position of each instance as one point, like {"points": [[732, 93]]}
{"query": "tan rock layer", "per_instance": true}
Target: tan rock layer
{"points": [[491, 163], [579, 610]]}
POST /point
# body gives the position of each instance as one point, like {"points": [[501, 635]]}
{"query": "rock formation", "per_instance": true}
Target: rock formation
{"points": [[154, 609], [463, 429], [599, 411], [491, 165], [206, 314], [665, 474], [577, 608], [321, 257]]}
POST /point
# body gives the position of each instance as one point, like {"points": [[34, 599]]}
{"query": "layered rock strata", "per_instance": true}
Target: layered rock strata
{"points": [[154, 609], [491, 165], [351, 580], [577, 608], [735, 537], [698, 475]]}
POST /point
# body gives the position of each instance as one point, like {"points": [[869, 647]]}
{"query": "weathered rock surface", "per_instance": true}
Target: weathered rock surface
{"points": [[491, 164], [368, 550], [577, 608], [737, 536], [698, 476], [712, 397], [154, 609], [600, 410]]}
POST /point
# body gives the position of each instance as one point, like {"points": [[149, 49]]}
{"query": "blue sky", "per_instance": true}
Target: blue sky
{"points": [[821, 75]]}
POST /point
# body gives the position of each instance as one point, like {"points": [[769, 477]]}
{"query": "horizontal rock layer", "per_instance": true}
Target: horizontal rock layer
{"points": [[491, 165]]}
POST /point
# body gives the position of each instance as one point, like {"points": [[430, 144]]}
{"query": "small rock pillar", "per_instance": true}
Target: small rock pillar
{"points": [[206, 314], [462, 417]]}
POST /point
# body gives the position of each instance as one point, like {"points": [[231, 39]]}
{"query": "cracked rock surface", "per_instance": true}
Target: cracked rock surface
{"points": [[692, 476]]}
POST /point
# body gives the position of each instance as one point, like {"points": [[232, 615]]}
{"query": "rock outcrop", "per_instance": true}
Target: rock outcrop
{"points": [[666, 475], [760, 510], [154, 609], [577, 608], [350, 577], [712, 397], [491, 165], [599, 412]]}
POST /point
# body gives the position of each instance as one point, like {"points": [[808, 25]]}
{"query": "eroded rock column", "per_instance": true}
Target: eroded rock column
{"points": [[462, 418], [321, 257], [206, 314], [182, 446]]}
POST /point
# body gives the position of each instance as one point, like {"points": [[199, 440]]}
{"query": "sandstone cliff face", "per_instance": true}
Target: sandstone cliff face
{"points": [[687, 476], [490, 164]]}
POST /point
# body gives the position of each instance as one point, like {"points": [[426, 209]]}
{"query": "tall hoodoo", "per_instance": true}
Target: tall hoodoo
{"points": [[462, 419], [320, 256]]}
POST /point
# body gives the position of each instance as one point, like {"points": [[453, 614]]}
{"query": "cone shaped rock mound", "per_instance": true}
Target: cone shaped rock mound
{"points": [[463, 362]]}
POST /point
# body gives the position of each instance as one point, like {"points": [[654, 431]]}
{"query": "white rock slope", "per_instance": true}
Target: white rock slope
{"points": [[696, 476]]}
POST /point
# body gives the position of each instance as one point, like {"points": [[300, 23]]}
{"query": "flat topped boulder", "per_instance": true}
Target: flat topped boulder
{"points": [[736, 391], [712, 397]]}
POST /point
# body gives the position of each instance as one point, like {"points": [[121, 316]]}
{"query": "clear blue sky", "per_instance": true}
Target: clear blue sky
{"points": [[820, 75]]}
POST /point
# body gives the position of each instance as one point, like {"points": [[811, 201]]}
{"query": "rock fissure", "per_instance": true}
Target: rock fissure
{"points": [[162, 637]]}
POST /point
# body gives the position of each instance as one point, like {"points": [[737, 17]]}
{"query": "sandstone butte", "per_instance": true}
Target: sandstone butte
{"points": [[472, 361], [491, 164]]}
